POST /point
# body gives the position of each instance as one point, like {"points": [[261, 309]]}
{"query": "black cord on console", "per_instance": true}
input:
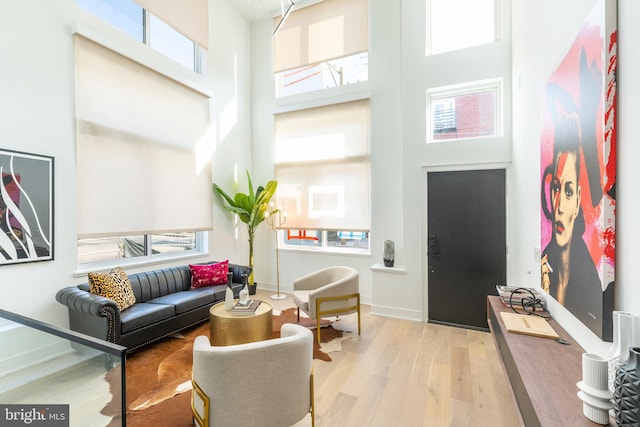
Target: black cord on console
{"points": [[528, 304]]}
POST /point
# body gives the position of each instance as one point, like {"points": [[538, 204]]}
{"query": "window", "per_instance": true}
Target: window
{"points": [[458, 24], [322, 169], [336, 240], [321, 46], [106, 249], [169, 42], [464, 111], [322, 150], [334, 73], [153, 26], [151, 194], [127, 16]]}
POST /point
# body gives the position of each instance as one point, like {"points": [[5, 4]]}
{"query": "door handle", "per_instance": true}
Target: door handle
{"points": [[433, 246]]}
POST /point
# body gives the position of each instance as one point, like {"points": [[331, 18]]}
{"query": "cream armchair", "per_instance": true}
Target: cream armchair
{"points": [[264, 383], [328, 292]]}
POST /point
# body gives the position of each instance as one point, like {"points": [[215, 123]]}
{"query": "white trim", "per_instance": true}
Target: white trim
{"points": [[396, 269], [322, 98]]}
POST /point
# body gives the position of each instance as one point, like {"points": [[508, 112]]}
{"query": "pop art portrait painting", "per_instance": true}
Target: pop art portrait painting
{"points": [[578, 173]]}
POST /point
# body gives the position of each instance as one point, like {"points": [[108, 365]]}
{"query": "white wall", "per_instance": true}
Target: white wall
{"points": [[229, 67], [38, 116], [541, 32], [37, 110]]}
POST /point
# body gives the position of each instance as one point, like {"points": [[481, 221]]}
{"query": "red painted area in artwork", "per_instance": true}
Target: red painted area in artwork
{"points": [[599, 64]]}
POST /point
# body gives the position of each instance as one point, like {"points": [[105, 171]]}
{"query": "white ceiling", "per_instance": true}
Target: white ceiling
{"points": [[256, 10]]}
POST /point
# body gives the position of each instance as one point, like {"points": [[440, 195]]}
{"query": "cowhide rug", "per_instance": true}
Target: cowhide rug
{"points": [[158, 375]]}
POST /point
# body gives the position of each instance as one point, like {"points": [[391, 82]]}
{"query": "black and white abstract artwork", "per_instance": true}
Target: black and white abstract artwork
{"points": [[26, 207]]}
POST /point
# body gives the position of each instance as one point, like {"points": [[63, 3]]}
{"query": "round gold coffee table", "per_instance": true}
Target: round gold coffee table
{"points": [[228, 329]]}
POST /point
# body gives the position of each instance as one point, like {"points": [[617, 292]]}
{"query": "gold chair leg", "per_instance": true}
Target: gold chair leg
{"points": [[358, 314], [318, 326]]}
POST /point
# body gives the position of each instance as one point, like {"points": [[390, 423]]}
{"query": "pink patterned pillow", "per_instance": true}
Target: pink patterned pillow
{"points": [[209, 274]]}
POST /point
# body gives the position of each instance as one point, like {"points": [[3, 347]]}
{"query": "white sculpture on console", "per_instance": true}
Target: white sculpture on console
{"points": [[594, 391], [626, 333]]}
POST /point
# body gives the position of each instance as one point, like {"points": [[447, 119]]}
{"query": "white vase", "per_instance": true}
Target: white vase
{"points": [[228, 296], [244, 295], [594, 392], [626, 334]]}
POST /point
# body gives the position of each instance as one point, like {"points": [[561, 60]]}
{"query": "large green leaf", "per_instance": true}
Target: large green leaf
{"points": [[249, 208]]}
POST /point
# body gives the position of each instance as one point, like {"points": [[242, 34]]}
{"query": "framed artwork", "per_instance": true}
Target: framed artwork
{"points": [[578, 173], [26, 207]]}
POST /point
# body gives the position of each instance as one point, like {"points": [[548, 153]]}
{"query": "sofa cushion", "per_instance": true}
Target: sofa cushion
{"points": [[144, 314], [184, 301], [209, 274], [114, 285]]}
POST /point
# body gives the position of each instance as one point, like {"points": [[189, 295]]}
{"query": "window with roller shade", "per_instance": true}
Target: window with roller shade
{"points": [[142, 189], [177, 30], [322, 169], [321, 46]]}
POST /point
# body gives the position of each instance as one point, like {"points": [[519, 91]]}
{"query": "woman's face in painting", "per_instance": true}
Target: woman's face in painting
{"points": [[565, 195]]}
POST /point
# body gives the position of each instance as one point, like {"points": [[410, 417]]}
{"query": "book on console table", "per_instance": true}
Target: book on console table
{"points": [[528, 324], [246, 309]]}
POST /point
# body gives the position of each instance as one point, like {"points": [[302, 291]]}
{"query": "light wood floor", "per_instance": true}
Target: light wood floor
{"points": [[407, 373]]}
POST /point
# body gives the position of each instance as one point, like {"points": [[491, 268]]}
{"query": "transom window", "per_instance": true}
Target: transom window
{"points": [[466, 111], [458, 24], [136, 21], [321, 46]]}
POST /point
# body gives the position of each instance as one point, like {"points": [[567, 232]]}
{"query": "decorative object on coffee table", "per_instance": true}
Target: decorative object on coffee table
{"points": [[594, 391], [626, 394], [389, 255], [228, 296], [250, 208], [276, 219]]}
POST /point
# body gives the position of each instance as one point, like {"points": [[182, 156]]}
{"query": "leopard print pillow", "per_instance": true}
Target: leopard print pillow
{"points": [[114, 285]]}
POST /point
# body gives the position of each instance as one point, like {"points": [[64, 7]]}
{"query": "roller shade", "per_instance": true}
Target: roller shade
{"points": [[322, 167], [189, 17], [320, 32], [137, 133]]}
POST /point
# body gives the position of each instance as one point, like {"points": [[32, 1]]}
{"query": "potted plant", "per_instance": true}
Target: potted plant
{"points": [[250, 208]]}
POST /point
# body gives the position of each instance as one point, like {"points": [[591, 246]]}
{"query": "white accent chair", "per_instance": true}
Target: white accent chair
{"points": [[264, 383], [328, 292]]}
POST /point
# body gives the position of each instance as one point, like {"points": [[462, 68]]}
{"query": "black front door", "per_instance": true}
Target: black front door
{"points": [[466, 244]]}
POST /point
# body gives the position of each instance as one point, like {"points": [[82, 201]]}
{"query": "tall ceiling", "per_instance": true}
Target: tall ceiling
{"points": [[256, 10]]}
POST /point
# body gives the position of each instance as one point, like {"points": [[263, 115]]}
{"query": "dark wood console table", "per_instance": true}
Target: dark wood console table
{"points": [[543, 373]]}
